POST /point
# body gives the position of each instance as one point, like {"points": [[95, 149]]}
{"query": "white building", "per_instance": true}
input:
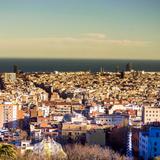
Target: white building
{"points": [[58, 118], [134, 107], [77, 117], [116, 107], [45, 110], [44, 96], [9, 117], [97, 108], [151, 114], [149, 143], [110, 119], [26, 145]]}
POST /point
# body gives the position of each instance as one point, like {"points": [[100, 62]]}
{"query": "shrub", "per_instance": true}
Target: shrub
{"points": [[80, 152], [7, 152]]}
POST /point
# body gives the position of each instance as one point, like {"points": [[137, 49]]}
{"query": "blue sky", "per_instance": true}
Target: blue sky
{"points": [[80, 29]]}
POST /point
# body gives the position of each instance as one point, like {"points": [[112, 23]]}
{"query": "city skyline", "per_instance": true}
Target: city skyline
{"points": [[80, 29]]}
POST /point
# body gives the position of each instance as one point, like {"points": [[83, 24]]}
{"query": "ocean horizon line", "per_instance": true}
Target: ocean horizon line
{"points": [[72, 65]]}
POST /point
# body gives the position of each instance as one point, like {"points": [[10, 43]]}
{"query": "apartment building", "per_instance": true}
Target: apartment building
{"points": [[72, 132], [149, 143], [61, 107], [9, 115], [151, 114], [112, 120]]}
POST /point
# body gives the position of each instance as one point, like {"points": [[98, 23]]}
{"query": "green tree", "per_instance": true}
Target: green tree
{"points": [[7, 152]]}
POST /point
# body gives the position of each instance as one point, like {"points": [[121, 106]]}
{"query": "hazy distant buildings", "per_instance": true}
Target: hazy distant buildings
{"points": [[15, 68], [10, 77], [129, 67], [78, 107]]}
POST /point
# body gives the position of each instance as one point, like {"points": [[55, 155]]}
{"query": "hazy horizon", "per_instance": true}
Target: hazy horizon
{"points": [[114, 59], [80, 29]]}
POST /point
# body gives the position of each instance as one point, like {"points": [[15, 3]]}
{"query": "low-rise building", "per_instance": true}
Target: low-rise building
{"points": [[72, 132], [113, 120]]}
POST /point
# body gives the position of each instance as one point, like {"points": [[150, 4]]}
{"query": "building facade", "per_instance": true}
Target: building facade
{"points": [[113, 120], [9, 115], [151, 114], [149, 143]]}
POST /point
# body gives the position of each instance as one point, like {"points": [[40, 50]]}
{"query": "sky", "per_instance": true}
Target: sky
{"points": [[89, 29]]}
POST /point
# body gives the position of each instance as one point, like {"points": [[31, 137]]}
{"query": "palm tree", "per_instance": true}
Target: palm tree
{"points": [[7, 152]]}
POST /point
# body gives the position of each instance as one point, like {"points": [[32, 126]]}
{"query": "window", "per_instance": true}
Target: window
{"points": [[157, 134], [143, 152]]}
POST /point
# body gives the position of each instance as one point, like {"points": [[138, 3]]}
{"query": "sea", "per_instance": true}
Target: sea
{"points": [[74, 65]]}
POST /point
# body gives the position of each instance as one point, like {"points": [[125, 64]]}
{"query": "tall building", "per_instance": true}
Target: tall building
{"points": [[117, 69], [129, 67], [9, 116], [15, 68], [101, 69], [149, 143], [2, 116]]}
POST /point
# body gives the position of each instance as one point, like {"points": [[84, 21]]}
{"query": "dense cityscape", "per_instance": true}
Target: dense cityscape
{"points": [[79, 79], [117, 110]]}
